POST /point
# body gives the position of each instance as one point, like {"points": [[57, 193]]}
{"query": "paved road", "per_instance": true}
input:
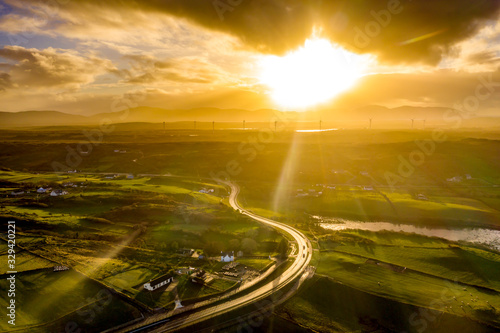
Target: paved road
{"points": [[297, 269]]}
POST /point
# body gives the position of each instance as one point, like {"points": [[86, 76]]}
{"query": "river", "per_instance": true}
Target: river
{"points": [[483, 236]]}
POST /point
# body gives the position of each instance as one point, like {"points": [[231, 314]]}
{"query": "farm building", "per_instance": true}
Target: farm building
{"points": [[159, 282], [57, 193], [226, 256]]}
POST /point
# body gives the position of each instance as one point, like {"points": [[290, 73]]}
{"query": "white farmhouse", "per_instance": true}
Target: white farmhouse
{"points": [[57, 193], [159, 282], [226, 256]]}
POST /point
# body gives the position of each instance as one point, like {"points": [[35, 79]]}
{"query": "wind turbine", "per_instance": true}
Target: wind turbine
{"points": [[412, 123], [370, 123]]}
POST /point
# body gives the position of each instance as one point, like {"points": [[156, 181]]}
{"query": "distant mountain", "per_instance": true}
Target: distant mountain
{"points": [[143, 114], [40, 118], [378, 112]]}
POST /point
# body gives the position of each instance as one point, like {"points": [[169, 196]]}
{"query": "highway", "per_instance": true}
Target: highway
{"points": [[295, 270]]}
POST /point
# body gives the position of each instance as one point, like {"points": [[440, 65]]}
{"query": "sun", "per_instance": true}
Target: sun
{"points": [[312, 74]]}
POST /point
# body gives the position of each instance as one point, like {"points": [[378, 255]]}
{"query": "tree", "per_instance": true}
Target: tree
{"points": [[252, 233], [213, 248], [174, 246], [283, 248], [248, 245], [234, 244]]}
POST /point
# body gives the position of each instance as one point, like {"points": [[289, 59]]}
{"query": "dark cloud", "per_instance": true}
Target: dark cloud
{"points": [[148, 69], [408, 31], [51, 67], [483, 57], [5, 81], [383, 27]]}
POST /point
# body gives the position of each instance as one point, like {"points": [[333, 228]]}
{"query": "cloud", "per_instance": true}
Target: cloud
{"points": [[442, 88], [147, 69], [51, 67], [396, 30], [5, 81], [483, 57]]}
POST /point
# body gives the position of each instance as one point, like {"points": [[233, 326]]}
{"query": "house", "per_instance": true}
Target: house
{"points": [[239, 254], [41, 190], [17, 193], [157, 283], [130, 176], [364, 173], [185, 252], [57, 193], [368, 188], [467, 176], [420, 196], [226, 256], [60, 268], [455, 179], [201, 277]]}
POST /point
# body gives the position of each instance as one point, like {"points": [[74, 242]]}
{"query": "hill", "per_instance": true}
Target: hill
{"points": [[382, 116]]}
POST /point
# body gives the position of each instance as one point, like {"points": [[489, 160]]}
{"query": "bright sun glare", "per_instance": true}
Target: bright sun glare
{"points": [[312, 74]]}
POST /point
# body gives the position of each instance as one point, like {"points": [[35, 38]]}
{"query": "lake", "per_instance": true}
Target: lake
{"points": [[487, 237]]}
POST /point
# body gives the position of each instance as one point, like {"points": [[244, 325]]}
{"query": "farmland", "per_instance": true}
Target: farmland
{"points": [[131, 217]]}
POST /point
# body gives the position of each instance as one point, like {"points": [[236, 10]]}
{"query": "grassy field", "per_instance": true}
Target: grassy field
{"points": [[47, 300], [257, 264], [410, 269], [441, 208], [327, 306], [25, 261], [124, 232]]}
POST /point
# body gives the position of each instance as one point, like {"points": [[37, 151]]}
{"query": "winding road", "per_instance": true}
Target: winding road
{"points": [[294, 271]]}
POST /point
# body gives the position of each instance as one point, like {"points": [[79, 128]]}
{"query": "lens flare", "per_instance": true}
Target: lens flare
{"points": [[312, 74]]}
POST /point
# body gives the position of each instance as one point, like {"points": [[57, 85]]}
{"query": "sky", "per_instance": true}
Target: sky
{"points": [[86, 56]]}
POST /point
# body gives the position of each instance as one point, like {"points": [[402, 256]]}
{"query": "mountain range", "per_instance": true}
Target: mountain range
{"points": [[379, 114]]}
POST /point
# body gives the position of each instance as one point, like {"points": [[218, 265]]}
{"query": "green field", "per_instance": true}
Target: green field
{"points": [[328, 306], [25, 261], [414, 270], [257, 264], [46, 300], [123, 232]]}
